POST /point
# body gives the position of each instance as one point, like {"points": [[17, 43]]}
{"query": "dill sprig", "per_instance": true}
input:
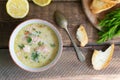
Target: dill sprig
{"points": [[110, 26]]}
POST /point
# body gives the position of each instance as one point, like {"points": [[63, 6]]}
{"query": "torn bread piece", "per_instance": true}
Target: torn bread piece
{"points": [[98, 6], [101, 60], [82, 35]]}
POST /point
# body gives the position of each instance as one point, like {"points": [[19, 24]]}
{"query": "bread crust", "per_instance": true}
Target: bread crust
{"points": [[109, 58], [98, 6], [82, 32], [114, 1], [107, 61]]}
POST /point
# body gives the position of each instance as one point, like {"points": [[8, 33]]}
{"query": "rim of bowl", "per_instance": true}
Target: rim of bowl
{"points": [[18, 62]]}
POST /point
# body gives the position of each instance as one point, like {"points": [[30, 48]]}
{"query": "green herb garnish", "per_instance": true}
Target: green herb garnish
{"points": [[26, 57], [29, 39], [34, 29], [43, 56], [38, 32], [21, 46], [35, 56], [40, 43], [110, 26], [52, 45]]}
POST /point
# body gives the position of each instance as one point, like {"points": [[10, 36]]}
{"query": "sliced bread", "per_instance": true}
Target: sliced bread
{"points": [[82, 35], [98, 6], [101, 60]]}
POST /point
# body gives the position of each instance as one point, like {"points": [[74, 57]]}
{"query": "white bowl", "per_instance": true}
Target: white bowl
{"points": [[14, 56]]}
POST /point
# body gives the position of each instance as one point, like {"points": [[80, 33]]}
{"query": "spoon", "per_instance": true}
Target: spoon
{"points": [[62, 22]]}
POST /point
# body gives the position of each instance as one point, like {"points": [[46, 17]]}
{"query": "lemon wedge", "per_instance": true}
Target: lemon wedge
{"points": [[42, 2], [17, 8]]}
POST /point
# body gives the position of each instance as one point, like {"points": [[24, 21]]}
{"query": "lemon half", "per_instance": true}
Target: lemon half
{"points": [[17, 8], [42, 2]]}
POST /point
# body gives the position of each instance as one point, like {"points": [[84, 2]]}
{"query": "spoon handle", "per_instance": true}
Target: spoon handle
{"points": [[80, 56]]}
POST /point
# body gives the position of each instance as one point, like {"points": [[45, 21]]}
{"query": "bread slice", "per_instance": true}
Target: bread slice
{"points": [[82, 35], [98, 6], [101, 60]]}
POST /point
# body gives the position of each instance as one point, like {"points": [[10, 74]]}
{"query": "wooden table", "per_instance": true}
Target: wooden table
{"points": [[68, 67]]}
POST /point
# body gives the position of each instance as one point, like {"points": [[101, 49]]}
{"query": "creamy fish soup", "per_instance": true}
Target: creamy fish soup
{"points": [[36, 45]]}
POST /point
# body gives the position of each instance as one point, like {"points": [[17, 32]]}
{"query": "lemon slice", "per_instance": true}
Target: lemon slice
{"points": [[17, 8], [42, 2]]}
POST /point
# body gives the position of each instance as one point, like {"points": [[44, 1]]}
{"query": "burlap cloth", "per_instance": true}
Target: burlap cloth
{"points": [[67, 68]]}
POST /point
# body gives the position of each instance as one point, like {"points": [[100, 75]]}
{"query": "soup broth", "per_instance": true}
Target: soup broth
{"points": [[36, 45]]}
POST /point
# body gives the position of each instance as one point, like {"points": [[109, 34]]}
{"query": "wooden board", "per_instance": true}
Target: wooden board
{"points": [[74, 14], [94, 18]]}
